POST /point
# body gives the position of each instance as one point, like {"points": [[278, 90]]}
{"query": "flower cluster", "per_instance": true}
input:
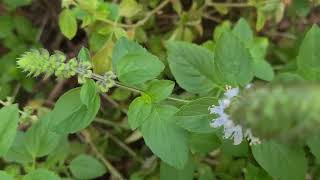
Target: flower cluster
{"points": [[37, 62], [106, 81], [231, 130], [84, 71]]}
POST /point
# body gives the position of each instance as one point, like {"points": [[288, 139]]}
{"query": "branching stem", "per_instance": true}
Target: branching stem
{"points": [[140, 22], [114, 172], [230, 5], [118, 84]]}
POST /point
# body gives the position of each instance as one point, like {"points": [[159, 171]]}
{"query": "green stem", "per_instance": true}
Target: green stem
{"points": [[108, 123], [34, 163], [140, 22], [141, 92], [113, 171], [5, 104], [230, 5], [128, 88], [118, 84], [178, 100], [125, 147]]}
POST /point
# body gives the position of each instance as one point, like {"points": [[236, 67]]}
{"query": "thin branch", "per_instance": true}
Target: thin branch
{"points": [[140, 22], [230, 5], [118, 84], [6, 104], [56, 90], [114, 172], [16, 91], [108, 123], [124, 146], [208, 16]]}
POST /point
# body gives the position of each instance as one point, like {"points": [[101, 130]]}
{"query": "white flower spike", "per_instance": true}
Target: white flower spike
{"points": [[220, 121], [223, 120], [248, 86], [237, 135], [230, 93], [216, 110]]}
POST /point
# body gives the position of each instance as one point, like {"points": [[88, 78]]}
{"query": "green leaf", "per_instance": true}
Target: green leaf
{"points": [[18, 151], [168, 172], [233, 60], [258, 48], [314, 145], [41, 174], [6, 26], [243, 31], [113, 8], [84, 54], [301, 8], [137, 68], [220, 29], [39, 139], [288, 77], [120, 94], [255, 173], [205, 172], [192, 66], [133, 64], [88, 5], [102, 59], [204, 143], [68, 23], [195, 116], [59, 154], [5, 176], [123, 47], [129, 8], [139, 111], [210, 45], [8, 127], [261, 19], [88, 92], [263, 70], [165, 138], [71, 115], [24, 28], [280, 161], [86, 167], [228, 148], [308, 59], [159, 90], [96, 42], [17, 3]]}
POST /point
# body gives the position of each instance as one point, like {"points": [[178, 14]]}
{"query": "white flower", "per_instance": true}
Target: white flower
{"points": [[234, 132], [228, 129], [223, 120], [225, 103], [232, 93], [252, 140], [220, 121], [216, 110], [237, 135], [248, 86], [219, 110]]}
